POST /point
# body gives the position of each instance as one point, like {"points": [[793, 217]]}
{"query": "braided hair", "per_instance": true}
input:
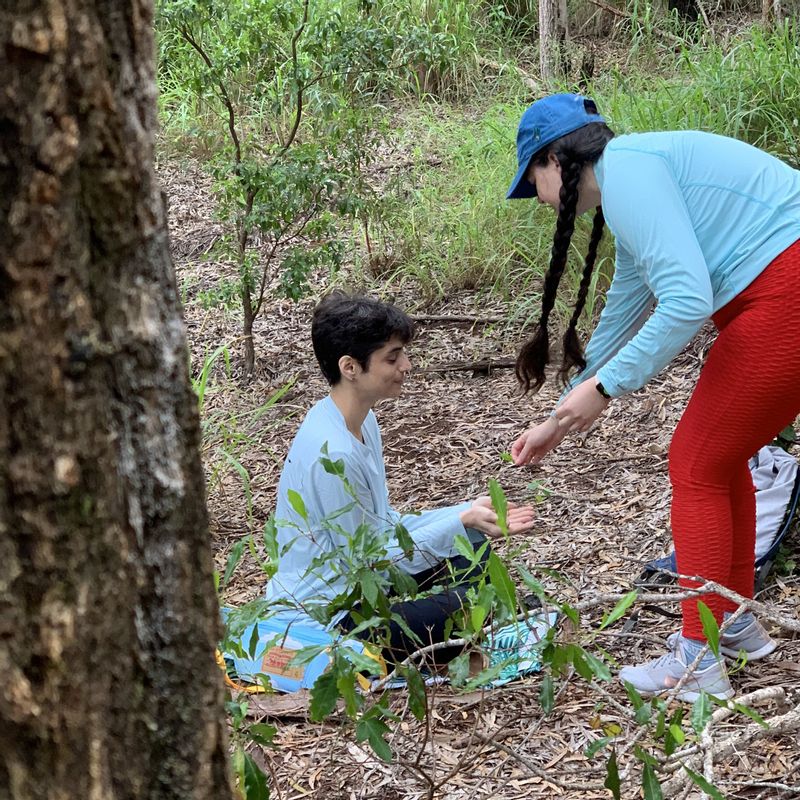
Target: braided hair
{"points": [[574, 152]]}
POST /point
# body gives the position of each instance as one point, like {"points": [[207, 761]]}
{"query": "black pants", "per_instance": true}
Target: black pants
{"points": [[426, 617]]}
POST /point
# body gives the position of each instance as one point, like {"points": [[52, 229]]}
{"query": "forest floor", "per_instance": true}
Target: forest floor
{"points": [[606, 512]]}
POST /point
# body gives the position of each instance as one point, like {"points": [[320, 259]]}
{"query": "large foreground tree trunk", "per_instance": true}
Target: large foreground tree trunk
{"points": [[108, 620]]}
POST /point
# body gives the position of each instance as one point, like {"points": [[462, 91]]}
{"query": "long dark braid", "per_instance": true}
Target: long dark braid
{"points": [[535, 353], [574, 152], [573, 351]]}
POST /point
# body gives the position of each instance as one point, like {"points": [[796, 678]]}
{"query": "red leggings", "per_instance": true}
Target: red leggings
{"points": [[748, 391]]}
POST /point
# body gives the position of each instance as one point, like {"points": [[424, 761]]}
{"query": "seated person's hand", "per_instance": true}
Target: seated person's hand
{"points": [[481, 516]]}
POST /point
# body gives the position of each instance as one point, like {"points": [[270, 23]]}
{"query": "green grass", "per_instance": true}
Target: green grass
{"points": [[750, 89], [449, 225]]}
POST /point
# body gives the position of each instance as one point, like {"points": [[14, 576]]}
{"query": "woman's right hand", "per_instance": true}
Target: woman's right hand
{"points": [[535, 443]]}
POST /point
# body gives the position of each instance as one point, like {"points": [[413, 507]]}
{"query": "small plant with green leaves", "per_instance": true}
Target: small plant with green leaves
{"points": [[290, 143]]}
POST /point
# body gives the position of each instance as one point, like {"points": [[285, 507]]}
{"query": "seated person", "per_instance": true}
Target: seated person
{"points": [[360, 345]]}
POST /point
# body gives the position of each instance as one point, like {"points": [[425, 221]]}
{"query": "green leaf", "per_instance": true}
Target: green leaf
{"points": [[333, 467], [572, 613], [644, 756], [458, 669], [234, 557], [612, 776], [501, 580], [499, 504], [710, 627], [252, 645], [532, 583], [404, 585], [324, 694], [598, 666], [619, 609], [477, 616], [577, 655], [404, 539], [255, 781], [596, 746], [346, 685], [463, 547], [261, 733], [748, 712], [372, 729], [296, 502], [547, 694], [677, 734], [637, 701], [643, 714], [417, 697], [370, 588], [707, 787], [651, 784], [701, 712]]}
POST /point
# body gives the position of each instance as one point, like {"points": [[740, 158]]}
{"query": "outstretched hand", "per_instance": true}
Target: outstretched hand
{"points": [[535, 443], [481, 516], [581, 407]]}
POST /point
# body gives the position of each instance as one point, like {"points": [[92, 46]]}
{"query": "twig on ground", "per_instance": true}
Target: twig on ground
{"points": [[483, 365]]}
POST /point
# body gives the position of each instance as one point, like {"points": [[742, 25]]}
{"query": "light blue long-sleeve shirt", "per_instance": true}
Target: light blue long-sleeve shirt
{"points": [[324, 496], [696, 218]]}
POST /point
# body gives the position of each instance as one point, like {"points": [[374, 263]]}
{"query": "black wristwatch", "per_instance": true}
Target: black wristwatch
{"points": [[602, 389]]}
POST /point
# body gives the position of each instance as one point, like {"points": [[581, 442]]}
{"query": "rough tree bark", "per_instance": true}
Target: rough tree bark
{"points": [[108, 618], [552, 36]]}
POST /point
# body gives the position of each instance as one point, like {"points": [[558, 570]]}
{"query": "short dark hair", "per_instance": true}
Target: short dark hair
{"points": [[353, 325]]}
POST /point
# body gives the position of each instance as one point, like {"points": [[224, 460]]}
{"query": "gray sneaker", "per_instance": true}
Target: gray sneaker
{"points": [[660, 675], [753, 641]]}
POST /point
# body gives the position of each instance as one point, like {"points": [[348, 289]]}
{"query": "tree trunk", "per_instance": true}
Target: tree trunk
{"points": [[108, 618], [552, 35], [248, 317]]}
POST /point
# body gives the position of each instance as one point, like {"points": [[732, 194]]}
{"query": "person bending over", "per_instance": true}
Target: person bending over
{"points": [[705, 227]]}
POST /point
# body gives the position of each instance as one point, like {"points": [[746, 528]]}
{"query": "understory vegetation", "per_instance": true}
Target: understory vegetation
{"points": [[371, 143]]}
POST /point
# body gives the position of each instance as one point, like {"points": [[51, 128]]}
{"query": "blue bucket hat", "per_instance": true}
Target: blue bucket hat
{"points": [[542, 123]]}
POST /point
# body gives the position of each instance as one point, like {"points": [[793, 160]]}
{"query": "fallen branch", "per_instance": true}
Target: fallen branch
{"points": [[778, 726], [485, 365], [527, 79], [618, 12], [538, 771], [762, 610], [455, 318]]}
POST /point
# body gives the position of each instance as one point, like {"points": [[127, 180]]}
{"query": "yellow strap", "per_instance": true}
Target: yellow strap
{"points": [[249, 688]]}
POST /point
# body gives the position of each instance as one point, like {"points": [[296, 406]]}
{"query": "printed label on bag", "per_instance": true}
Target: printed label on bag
{"points": [[277, 660]]}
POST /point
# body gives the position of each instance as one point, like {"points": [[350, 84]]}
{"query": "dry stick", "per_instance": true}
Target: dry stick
{"points": [[529, 82], [706, 751], [432, 648], [627, 15], [483, 365], [706, 587], [786, 723], [300, 88], [455, 318], [538, 771]]}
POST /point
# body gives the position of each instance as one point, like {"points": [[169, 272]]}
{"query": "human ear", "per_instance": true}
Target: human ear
{"points": [[348, 367], [553, 159]]}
